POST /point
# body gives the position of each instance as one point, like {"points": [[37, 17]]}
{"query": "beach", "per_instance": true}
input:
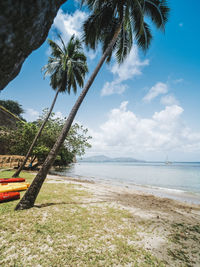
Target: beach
{"points": [[77, 222], [168, 228]]}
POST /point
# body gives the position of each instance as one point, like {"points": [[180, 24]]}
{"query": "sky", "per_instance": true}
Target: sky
{"points": [[147, 108]]}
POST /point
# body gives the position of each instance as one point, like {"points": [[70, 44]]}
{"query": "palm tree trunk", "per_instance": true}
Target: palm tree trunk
{"points": [[16, 174], [30, 196]]}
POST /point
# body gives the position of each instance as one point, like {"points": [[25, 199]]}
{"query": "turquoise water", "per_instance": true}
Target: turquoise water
{"points": [[179, 180]]}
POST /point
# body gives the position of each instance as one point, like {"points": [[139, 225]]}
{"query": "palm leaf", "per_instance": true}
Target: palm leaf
{"points": [[157, 11], [100, 25]]}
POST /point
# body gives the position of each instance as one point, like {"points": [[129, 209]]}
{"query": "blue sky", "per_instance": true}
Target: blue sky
{"points": [[148, 108]]}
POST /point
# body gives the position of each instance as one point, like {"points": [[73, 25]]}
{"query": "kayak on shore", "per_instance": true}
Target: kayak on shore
{"points": [[13, 187], [12, 180], [8, 196]]}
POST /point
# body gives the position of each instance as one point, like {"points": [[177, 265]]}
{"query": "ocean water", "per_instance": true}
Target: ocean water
{"points": [[177, 180]]}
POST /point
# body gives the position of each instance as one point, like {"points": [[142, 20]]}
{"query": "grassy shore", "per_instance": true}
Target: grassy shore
{"points": [[78, 223]]}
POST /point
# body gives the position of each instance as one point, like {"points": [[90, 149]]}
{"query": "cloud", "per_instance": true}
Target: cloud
{"points": [[130, 68], [92, 54], [126, 134], [31, 114], [58, 115], [114, 87], [178, 81], [69, 24], [169, 100], [169, 114], [156, 90]]}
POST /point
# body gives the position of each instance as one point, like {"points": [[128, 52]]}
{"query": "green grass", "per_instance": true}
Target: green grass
{"points": [[184, 236], [182, 232], [66, 228], [181, 255], [8, 174]]}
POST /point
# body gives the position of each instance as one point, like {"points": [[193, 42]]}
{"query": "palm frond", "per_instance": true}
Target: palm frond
{"points": [[124, 43], [158, 11], [96, 25], [144, 37], [56, 50]]}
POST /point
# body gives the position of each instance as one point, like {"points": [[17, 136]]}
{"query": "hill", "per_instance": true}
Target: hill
{"points": [[102, 158]]}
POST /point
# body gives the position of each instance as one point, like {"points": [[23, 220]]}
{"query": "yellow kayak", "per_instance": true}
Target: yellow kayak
{"points": [[13, 187]]}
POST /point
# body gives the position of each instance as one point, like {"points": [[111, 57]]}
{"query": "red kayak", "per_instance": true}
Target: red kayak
{"points": [[4, 197], [12, 180]]}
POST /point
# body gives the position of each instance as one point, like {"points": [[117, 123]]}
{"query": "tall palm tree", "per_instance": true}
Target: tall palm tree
{"points": [[66, 67], [114, 23]]}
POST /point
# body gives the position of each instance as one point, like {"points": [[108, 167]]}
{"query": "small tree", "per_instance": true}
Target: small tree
{"points": [[18, 140]]}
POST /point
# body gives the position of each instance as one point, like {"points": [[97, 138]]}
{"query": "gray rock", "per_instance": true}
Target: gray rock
{"points": [[24, 26]]}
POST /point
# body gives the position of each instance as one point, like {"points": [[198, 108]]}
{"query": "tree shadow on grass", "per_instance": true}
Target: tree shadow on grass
{"points": [[67, 203]]}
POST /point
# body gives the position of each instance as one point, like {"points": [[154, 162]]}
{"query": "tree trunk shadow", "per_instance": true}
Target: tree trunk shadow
{"points": [[67, 203]]}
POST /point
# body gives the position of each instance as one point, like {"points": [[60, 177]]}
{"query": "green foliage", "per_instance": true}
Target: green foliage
{"points": [[67, 65], [108, 16], [12, 106], [18, 141]]}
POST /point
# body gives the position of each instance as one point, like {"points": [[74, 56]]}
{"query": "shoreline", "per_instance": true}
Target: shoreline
{"points": [[106, 189], [162, 192]]}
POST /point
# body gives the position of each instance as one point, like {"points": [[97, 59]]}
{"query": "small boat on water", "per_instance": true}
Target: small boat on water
{"points": [[167, 162], [11, 187], [12, 180], [8, 196]]}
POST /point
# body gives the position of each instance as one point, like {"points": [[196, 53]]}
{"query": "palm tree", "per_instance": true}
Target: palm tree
{"points": [[66, 67], [114, 23]]}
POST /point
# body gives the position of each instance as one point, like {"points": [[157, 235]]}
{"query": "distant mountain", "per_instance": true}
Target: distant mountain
{"points": [[103, 158]]}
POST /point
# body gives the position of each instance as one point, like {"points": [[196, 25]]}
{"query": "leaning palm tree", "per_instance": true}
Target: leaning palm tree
{"points": [[66, 67], [115, 24]]}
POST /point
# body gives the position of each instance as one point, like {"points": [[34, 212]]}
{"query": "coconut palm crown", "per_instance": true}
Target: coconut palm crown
{"points": [[108, 15], [66, 66]]}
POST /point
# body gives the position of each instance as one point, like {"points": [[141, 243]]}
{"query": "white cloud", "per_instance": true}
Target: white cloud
{"points": [[169, 100], [69, 24], [31, 114], [156, 90], [126, 134], [92, 54], [178, 81], [169, 114], [114, 87], [58, 115], [130, 68]]}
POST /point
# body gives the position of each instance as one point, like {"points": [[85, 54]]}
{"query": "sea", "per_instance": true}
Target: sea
{"points": [[177, 180]]}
